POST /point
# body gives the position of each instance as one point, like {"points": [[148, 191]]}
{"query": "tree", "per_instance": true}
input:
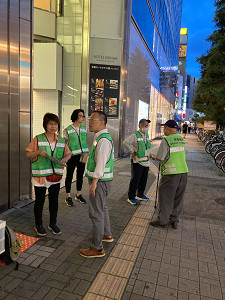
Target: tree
{"points": [[210, 91]]}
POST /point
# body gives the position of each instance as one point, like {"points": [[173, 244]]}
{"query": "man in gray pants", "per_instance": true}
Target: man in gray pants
{"points": [[174, 171], [99, 171]]}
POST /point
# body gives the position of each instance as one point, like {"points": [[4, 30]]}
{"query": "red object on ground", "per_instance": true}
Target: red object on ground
{"points": [[28, 241]]}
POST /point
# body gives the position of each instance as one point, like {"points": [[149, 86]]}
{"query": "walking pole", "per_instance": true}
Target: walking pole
{"points": [[157, 185]]}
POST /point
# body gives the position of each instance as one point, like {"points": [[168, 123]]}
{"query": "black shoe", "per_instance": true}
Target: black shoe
{"points": [[40, 230], [69, 201], [54, 228], [80, 199], [157, 223], [174, 224]]}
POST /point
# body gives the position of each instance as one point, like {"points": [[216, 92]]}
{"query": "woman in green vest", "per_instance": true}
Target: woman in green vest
{"points": [[47, 174], [76, 137]]}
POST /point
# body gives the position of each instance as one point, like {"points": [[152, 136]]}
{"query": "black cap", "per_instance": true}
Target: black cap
{"points": [[170, 124], [143, 120]]}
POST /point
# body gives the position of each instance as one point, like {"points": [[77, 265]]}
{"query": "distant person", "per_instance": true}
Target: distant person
{"points": [[171, 154], [99, 171], [76, 137], [137, 144], [189, 128], [45, 173], [184, 129]]}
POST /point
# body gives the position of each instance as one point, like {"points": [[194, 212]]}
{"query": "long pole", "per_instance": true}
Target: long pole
{"points": [[157, 185]]}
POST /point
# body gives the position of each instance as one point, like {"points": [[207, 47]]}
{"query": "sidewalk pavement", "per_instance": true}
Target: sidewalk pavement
{"points": [[143, 262]]}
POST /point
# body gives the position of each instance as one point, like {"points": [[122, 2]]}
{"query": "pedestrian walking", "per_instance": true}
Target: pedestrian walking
{"points": [[171, 154], [45, 173], [189, 128], [99, 171], [184, 129], [76, 137], [138, 145]]}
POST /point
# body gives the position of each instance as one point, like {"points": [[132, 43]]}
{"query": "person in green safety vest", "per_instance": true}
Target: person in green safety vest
{"points": [[174, 170], [138, 144], [76, 137], [99, 171], [47, 174]]}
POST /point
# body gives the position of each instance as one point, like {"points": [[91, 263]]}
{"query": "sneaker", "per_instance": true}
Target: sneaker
{"points": [[54, 228], [91, 253], [80, 199], [132, 201], [157, 223], [142, 198], [40, 230], [69, 201], [108, 238]]}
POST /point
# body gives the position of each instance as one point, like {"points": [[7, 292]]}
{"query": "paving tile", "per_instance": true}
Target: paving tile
{"points": [[108, 285], [41, 293], [118, 267]]}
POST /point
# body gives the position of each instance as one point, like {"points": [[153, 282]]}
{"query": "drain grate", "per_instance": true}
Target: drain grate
{"points": [[220, 201]]}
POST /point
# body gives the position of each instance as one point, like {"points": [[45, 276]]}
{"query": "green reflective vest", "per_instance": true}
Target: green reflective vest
{"points": [[142, 146], [77, 142], [43, 166], [91, 164], [176, 163]]}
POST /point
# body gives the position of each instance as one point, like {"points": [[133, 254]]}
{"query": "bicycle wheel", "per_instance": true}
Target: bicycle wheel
{"points": [[218, 157], [222, 164], [215, 148], [208, 147]]}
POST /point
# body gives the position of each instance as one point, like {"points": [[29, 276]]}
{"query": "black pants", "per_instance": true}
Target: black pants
{"points": [[71, 165], [53, 195], [139, 176]]}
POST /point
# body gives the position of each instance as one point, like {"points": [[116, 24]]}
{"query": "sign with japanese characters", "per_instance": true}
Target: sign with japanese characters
{"points": [[104, 89]]}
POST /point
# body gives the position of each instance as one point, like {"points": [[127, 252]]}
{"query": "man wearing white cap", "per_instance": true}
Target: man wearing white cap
{"points": [[137, 144]]}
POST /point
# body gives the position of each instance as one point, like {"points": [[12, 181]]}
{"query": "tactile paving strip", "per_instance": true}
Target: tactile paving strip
{"points": [[112, 279]]}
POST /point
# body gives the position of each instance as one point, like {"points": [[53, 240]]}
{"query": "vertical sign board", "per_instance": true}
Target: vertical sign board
{"points": [[104, 87]]}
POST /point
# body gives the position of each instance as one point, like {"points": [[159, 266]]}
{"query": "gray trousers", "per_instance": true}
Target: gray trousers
{"points": [[171, 194], [98, 213]]}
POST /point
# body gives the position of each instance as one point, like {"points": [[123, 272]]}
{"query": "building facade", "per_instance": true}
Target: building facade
{"points": [[191, 83], [16, 62], [118, 56]]}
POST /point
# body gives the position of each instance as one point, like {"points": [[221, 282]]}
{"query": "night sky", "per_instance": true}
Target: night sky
{"points": [[197, 17]]}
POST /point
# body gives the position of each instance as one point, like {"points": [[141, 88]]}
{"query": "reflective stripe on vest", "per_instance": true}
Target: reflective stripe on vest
{"points": [[43, 166], [91, 164], [77, 142], [176, 162], [108, 175], [176, 149], [142, 147]]}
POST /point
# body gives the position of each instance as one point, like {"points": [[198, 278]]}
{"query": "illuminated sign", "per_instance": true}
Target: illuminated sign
{"points": [[142, 111], [182, 50], [183, 31]]}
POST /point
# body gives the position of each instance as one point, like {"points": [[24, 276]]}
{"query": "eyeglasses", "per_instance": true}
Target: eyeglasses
{"points": [[91, 120]]}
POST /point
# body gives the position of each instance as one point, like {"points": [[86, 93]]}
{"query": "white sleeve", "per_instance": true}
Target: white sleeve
{"points": [[163, 150], [102, 156], [65, 135], [131, 143]]}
